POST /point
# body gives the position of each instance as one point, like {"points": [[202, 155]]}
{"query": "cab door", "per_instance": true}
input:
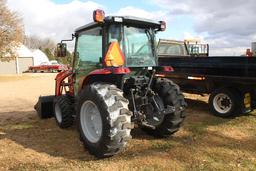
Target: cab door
{"points": [[88, 54]]}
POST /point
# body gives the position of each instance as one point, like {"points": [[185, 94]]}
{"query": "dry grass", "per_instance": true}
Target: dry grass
{"points": [[205, 142], [20, 77]]}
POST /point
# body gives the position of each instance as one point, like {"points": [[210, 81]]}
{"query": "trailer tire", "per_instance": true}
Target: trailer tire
{"points": [[64, 111], [104, 120], [171, 95], [225, 102]]}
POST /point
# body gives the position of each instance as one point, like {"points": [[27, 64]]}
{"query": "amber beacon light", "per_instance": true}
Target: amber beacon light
{"points": [[98, 16]]}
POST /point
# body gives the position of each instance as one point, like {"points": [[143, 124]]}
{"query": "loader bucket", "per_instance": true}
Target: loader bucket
{"points": [[44, 107]]}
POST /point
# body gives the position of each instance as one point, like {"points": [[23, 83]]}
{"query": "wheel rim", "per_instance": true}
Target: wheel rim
{"points": [[91, 121], [222, 103], [58, 113]]}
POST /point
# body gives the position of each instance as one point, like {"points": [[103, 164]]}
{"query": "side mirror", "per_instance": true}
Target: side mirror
{"points": [[61, 50]]}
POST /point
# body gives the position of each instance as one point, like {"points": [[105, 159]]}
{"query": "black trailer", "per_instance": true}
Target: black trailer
{"points": [[230, 81]]}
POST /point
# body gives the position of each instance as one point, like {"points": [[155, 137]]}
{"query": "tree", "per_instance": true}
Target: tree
{"points": [[66, 60], [48, 46], [49, 54], [35, 42], [11, 30]]}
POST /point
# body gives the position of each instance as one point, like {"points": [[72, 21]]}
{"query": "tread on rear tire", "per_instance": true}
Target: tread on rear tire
{"points": [[115, 117]]}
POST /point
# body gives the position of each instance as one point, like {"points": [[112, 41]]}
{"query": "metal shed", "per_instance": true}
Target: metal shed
{"points": [[19, 64]]}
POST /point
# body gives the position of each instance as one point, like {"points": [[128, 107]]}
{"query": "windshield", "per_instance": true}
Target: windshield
{"points": [[137, 44]]}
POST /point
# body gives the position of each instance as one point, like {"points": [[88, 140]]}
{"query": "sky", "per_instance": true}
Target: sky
{"points": [[229, 26]]}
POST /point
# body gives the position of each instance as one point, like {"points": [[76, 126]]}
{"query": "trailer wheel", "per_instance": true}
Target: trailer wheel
{"points": [[63, 111], [172, 96], [225, 102], [104, 119]]}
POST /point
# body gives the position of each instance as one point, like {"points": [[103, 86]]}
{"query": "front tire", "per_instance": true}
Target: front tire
{"points": [[171, 95], [63, 111], [104, 119]]}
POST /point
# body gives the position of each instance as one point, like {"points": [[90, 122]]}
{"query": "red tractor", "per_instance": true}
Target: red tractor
{"points": [[115, 82]]}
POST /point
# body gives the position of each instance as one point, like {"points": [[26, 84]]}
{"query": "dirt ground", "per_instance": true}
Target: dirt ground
{"points": [[204, 142]]}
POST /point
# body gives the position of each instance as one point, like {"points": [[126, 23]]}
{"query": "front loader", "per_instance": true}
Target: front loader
{"points": [[114, 83]]}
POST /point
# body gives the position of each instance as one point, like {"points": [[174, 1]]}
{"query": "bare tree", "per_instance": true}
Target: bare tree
{"points": [[47, 45], [11, 30], [35, 42]]}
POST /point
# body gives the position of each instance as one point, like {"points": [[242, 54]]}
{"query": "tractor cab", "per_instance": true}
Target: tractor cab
{"points": [[116, 41]]}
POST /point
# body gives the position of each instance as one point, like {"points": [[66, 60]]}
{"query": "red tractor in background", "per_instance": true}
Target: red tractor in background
{"points": [[115, 82]]}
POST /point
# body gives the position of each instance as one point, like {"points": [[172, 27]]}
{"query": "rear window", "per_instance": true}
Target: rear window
{"points": [[172, 49]]}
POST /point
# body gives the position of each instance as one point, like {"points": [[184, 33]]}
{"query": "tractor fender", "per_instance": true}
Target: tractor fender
{"points": [[60, 77], [109, 75]]}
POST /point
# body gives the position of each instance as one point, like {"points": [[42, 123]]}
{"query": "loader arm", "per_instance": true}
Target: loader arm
{"points": [[61, 85]]}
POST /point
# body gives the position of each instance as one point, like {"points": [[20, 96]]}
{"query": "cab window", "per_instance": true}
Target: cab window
{"points": [[89, 47]]}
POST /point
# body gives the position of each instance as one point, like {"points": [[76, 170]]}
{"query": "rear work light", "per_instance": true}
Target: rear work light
{"points": [[118, 19], [196, 78], [162, 26], [98, 16]]}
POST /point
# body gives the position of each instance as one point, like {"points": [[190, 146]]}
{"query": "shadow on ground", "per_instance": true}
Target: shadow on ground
{"points": [[43, 136]]}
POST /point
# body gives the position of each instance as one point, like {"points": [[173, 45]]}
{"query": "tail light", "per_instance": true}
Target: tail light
{"points": [[168, 69]]}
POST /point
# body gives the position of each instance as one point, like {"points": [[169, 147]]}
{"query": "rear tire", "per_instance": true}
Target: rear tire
{"points": [[63, 111], [225, 103], [110, 132], [171, 95]]}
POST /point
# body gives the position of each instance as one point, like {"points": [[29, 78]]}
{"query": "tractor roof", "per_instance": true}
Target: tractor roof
{"points": [[139, 22]]}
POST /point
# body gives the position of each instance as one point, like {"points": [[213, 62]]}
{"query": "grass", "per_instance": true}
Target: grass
{"points": [[21, 77], [163, 145], [200, 145], [5, 79], [210, 143], [204, 142], [19, 126]]}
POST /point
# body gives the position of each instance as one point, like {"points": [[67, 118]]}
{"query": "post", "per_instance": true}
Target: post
{"points": [[17, 65]]}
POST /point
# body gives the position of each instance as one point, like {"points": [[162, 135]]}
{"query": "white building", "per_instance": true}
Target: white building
{"points": [[39, 57], [24, 59]]}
